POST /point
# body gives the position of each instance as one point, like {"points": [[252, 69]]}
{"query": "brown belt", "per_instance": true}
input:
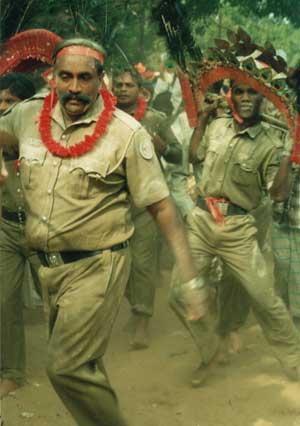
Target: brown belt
{"points": [[227, 209]]}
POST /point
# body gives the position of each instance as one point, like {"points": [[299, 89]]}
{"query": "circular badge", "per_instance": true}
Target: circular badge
{"points": [[146, 149]]}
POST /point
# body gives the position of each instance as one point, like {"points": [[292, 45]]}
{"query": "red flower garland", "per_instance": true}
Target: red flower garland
{"points": [[89, 141], [141, 109]]}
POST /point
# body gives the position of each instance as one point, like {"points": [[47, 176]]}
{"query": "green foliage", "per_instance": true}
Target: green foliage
{"points": [[127, 32]]}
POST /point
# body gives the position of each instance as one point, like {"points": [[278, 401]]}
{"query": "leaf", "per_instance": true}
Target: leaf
{"points": [[242, 35], [270, 48], [222, 44], [231, 35]]}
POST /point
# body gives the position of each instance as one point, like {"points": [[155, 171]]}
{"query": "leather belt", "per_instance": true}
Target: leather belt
{"points": [[10, 156], [228, 209], [53, 259], [17, 217]]}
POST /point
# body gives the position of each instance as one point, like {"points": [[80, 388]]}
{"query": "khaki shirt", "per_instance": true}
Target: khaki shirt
{"points": [[156, 122], [83, 203], [12, 195], [239, 166]]}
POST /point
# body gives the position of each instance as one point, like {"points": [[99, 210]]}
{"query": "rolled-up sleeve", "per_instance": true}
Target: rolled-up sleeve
{"points": [[145, 179]]}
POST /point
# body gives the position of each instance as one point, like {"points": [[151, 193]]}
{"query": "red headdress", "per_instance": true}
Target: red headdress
{"points": [[25, 51], [241, 60]]}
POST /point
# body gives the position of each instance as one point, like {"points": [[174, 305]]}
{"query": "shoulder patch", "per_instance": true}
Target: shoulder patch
{"points": [[127, 119], [146, 149]]}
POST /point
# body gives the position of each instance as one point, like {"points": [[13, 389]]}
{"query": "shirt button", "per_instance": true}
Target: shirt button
{"points": [[18, 174], [55, 163], [19, 190], [63, 136], [49, 191], [44, 219]]}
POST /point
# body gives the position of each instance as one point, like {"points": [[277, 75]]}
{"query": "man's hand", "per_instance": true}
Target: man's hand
{"points": [[195, 297], [158, 143], [3, 175]]}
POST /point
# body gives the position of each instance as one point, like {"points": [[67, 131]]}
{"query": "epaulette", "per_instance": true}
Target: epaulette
{"points": [[39, 95], [127, 119]]}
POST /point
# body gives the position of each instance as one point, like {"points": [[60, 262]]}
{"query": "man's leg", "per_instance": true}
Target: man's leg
{"points": [[282, 260], [242, 255], [85, 298], [294, 276], [143, 277], [12, 349], [202, 331]]}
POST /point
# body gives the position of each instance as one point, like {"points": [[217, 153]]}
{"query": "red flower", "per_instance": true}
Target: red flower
{"points": [[89, 141], [141, 109]]}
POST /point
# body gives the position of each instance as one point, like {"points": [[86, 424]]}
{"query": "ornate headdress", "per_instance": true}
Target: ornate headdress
{"points": [[238, 59], [25, 51]]}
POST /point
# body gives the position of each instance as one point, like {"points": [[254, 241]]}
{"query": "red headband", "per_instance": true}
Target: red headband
{"points": [[81, 50]]}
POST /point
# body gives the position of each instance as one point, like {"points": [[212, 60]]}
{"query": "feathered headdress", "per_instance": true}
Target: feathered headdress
{"points": [[238, 59], [26, 50]]}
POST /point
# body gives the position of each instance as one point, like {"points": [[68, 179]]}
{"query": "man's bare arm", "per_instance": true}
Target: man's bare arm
{"points": [[281, 186], [166, 216], [7, 138], [199, 131]]}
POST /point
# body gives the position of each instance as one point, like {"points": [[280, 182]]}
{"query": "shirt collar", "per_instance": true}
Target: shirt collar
{"points": [[252, 131]]}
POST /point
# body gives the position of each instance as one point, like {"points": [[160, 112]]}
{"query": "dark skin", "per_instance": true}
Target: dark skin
{"points": [[247, 104], [7, 99], [77, 75], [127, 92]]}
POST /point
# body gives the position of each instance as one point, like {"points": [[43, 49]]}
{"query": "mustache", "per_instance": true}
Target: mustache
{"points": [[80, 97]]}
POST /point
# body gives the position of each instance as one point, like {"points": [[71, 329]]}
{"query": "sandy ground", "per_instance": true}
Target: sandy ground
{"points": [[153, 385]]}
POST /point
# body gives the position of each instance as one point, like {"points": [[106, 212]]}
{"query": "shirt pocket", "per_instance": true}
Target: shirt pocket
{"points": [[32, 158], [245, 173], [89, 177]]}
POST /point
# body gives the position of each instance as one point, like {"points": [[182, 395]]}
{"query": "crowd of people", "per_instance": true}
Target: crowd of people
{"points": [[97, 199]]}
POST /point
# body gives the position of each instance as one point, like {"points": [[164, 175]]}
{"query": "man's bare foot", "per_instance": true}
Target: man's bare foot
{"points": [[7, 386], [140, 337], [204, 371], [235, 343]]}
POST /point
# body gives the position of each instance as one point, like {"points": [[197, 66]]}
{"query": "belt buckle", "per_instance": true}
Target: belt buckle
{"points": [[54, 259], [223, 207]]}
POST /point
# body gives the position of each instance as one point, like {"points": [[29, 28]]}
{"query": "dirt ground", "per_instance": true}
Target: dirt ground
{"points": [[153, 385]]}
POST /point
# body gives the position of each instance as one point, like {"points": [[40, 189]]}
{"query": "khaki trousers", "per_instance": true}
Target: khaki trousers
{"points": [[144, 270], [13, 256], [237, 246], [84, 298], [234, 303]]}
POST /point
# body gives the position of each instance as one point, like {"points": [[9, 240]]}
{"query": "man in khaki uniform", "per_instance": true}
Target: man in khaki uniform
{"points": [[13, 251], [80, 160], [145, 241], [240, 163]]}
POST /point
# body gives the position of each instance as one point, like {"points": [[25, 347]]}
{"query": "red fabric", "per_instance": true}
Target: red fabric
{"points": [[212, 205], [188, 98], [81, 50], [26, 50], [231, 106]]}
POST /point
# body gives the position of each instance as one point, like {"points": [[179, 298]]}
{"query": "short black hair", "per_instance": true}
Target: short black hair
{"points": [[18, 84], [119, 71], [80, 42]]}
